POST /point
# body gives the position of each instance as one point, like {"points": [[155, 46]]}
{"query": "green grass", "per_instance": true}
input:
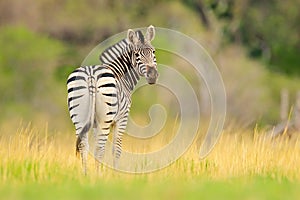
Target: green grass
{"points": [[141, 188]]}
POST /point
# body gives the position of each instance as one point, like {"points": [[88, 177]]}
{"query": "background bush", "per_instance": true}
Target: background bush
{"points": [[254, 43]]}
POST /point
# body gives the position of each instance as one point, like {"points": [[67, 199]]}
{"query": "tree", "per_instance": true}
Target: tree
{"points": [[270, 29]]}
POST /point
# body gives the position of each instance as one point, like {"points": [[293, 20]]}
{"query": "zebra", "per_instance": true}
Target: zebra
{"points": [[99, 96]]}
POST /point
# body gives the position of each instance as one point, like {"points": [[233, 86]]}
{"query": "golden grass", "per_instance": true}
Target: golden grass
{"points": [[34, 155]]}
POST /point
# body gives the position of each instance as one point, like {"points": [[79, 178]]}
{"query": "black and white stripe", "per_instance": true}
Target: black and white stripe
{"points": [[99, 96]]}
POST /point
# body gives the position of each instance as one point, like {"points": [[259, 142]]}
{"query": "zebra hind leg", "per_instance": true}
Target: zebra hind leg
{"points": [[96, 156], [113, 128], [82, 148]]}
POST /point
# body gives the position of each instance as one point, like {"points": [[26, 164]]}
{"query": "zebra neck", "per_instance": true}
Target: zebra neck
{"points": [[129, 80], [118, 59]]}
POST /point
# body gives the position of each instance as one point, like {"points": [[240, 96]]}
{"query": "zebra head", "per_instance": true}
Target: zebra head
{"points": [[143, 54]]}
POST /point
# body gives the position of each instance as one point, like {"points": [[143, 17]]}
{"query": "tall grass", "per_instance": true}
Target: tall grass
{"points": [[32, 155]]}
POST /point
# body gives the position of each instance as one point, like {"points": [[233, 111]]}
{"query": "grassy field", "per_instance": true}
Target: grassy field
{"points": [[36, 164]]}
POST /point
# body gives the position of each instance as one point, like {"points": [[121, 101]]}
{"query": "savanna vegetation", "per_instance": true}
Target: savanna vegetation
{"points": [[255, 45], [37, 164]]}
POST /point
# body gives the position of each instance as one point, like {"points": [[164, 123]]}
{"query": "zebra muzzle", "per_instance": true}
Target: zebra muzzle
{"points": [[152, 75]]}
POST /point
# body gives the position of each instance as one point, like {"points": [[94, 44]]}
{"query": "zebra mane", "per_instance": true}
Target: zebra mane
{"points": [[140, 36], [109, 55]]}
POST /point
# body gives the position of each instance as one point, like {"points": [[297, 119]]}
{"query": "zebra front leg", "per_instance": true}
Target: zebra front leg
{"points": [[100, 142], [117, 145], [118, 150], [119, 130], [82, 147]]}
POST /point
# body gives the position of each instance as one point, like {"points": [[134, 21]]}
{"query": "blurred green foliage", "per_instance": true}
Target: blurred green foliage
{"points": [[29, 70], [269, 29], [27, 63], [41, 42]]}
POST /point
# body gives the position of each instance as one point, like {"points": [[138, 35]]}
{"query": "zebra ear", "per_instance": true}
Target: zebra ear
{"points": [[150, 34], [131, 36]]}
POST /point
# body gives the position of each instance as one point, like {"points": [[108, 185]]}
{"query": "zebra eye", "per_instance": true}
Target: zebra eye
{"points": [[153, 51], [136, 54]]}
